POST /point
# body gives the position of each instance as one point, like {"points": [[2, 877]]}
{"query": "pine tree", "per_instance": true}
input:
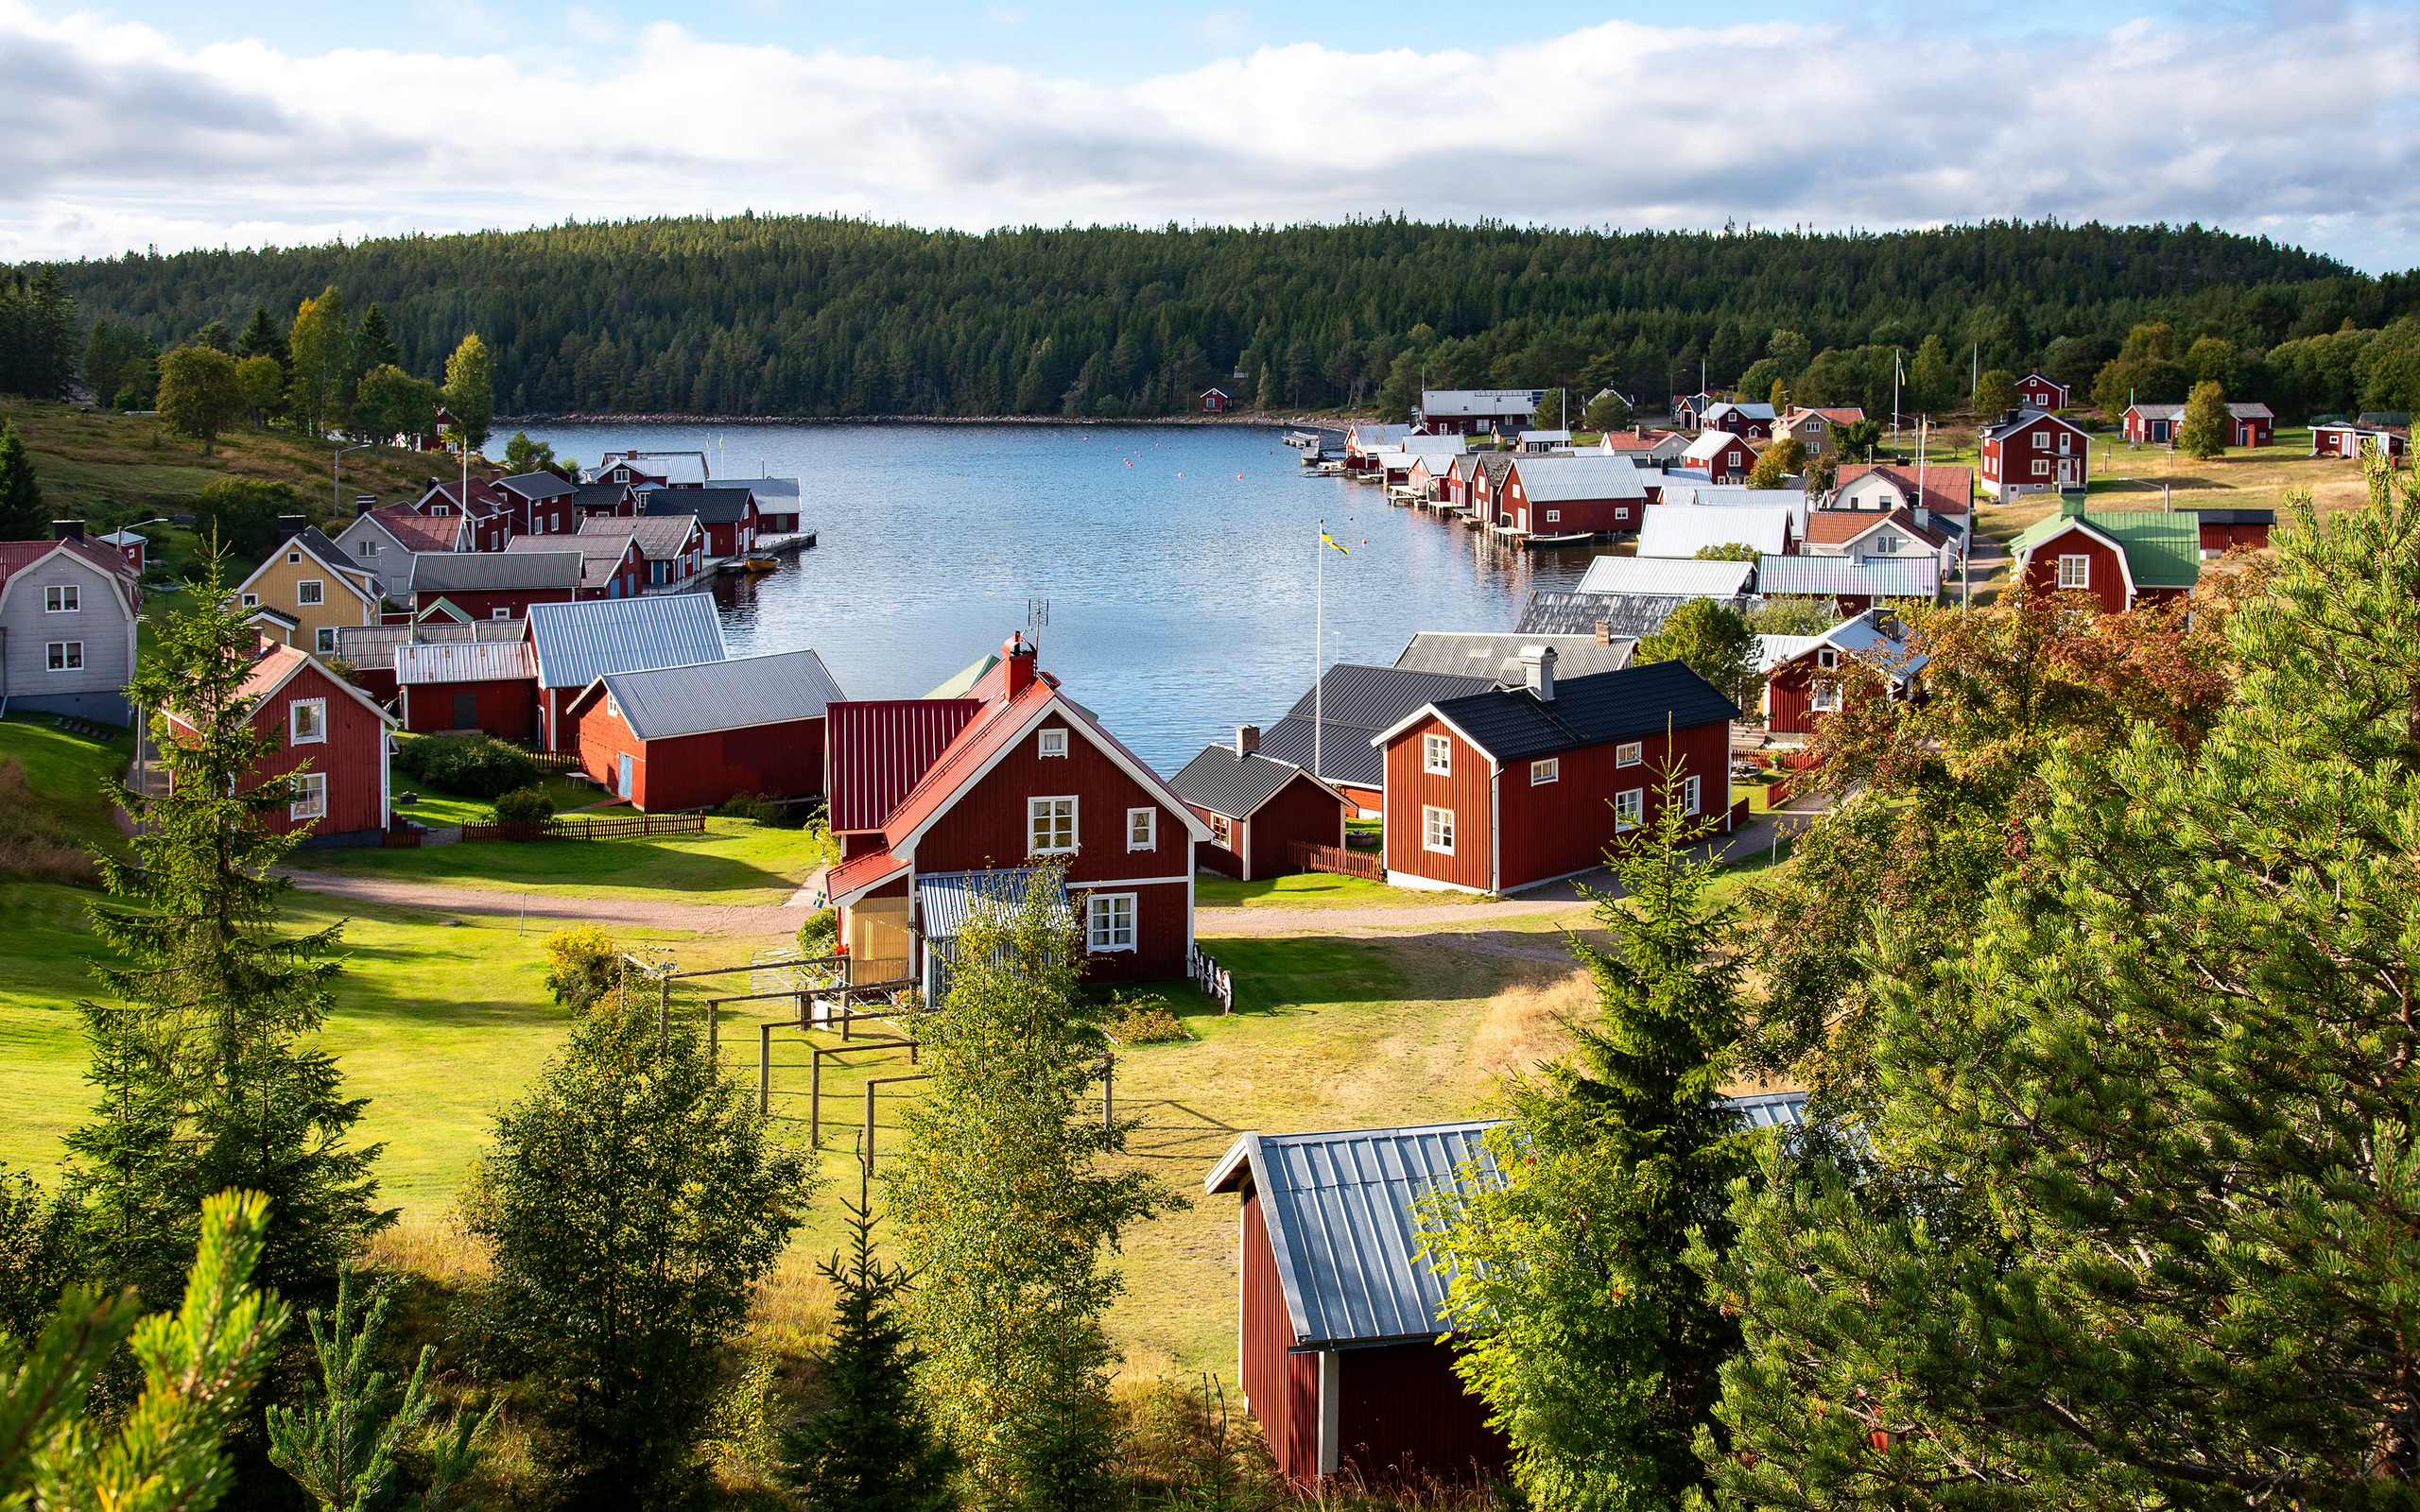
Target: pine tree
{"points": [[872, 1448], [22, 516], [263, 338], [343, 1446], [2204, 433], [205, 1076], [1595, 1346], [372, 348]]}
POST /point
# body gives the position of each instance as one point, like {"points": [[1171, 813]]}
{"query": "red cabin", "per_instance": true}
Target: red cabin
{"points": [[577, 644], [1807, 679], [2248, 424], [1257, 808], [2222, 530], [2357, 440], [729, 515], [2042, 393], [1514, 787], [1569, 495], [2121, 558], [1218, 400], [690, 737], [329, 733], [496, 585], [2032, 453], [453, 685]]}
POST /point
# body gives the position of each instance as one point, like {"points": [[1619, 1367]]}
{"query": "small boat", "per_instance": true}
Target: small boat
{"points": [[1578, 538], [758, 564]]}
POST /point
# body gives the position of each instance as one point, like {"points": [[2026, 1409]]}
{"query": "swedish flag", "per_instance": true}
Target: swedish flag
{"points": [[1327, 539]]}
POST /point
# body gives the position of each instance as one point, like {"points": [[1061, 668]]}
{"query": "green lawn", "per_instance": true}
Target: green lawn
{"points": [[736, 861], [437, 807], [69, 772], [1312, 889]]}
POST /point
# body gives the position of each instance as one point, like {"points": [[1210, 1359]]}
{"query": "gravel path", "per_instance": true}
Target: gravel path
{"points": [[703, 918]]}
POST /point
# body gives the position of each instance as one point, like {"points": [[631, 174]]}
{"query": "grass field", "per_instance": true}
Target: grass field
{"points": [[1312, 889], [737, 862], [435, 806], [69, 772]]}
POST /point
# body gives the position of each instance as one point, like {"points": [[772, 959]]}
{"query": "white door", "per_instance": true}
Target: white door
{"points": [[624, 790]]}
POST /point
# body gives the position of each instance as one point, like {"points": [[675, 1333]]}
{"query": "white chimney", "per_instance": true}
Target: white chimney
{"points": [[1537, 671]]}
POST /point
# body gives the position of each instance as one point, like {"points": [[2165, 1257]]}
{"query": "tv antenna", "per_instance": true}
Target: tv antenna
{"points": [[1037, 619]]}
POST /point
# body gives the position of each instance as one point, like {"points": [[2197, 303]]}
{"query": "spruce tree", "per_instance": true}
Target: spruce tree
{"points": [[202, 1060], [872, 1448], [2203, 433], [1595, 1346], [373, 347], [343, 1445], [20, 509], [263, 338]]}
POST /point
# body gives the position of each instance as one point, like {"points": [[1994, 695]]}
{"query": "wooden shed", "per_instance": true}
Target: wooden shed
{"points": [[689, 737], [1256, 807], [453, 685], [1337, 1345]]}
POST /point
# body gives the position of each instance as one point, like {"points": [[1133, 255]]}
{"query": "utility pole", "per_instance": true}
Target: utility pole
{"points": [[1319, 649]]}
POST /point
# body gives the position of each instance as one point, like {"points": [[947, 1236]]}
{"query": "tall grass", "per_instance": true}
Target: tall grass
{"points": [[34, 844]]}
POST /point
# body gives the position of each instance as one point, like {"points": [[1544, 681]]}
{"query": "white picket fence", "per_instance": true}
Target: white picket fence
{"points": [[1213, 978]]}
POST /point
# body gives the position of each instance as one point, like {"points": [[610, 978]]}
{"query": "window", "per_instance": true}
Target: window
{"points": [[499, 613], [1690, 795], [327, 638], [1051, 822], [1054, 743], [1142, 829], [252, 600], [1629, 809], [2075, 572], [2063, 441], [613, 708], [61, 600], [1622, 513], [306, 721], [64, 656], [1222, 832], [2041, 440], [292, 558], [1437, 755], [310, 797], [1437, 830], [1109, 920], [1887, 543], [442, 508], [310, 591], [1629, 754], [2041, 467], [1553, 515], [554, 522], [368, 547], [1824, 699], [1549, 770]]}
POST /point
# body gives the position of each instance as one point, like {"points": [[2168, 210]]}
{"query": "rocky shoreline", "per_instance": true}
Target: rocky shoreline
{"points": [[505, 422]]}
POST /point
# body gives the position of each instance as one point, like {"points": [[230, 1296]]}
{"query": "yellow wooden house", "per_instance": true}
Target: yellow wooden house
{"points": [[306, 590]]}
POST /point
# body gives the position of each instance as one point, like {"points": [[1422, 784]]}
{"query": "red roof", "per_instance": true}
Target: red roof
{"points": [[1950, 490], [882, 747], [1838, 527], [1640, 440], [1000, 720], [858, 872], [1845, 415], [417, 532]]}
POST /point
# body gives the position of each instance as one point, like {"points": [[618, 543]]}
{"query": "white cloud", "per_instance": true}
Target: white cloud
{"points": [[119, 138]]}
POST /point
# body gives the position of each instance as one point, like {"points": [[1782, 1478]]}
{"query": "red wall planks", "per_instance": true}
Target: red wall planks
{"points": [[1411, 790]]}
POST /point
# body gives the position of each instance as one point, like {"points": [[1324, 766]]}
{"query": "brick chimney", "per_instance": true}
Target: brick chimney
{"points": [[1604, 632], [1019, 657], [1537, 671], [67, 530], [363, 504], [1247, 739], [293, 525]]}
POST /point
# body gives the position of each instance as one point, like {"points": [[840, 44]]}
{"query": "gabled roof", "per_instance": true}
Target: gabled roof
{"points": [[375, 645], [1371, 437], [715, 506], [463, 661], [2162, 549], [486, 499], [1435, 445], [1631, 616], [355, 577], [1497, 655], [601, 552], [506, 571], [1946, 489], [1483, 402], [1846, 576], [18, 557], [780, 493], [880, 748], [1515, 725], [1841, 527], [1682, 530], [2038, 377], [736, 692], [660, 537], [1876, 637], [602, 495], [536, 486], [2245, 411], [1236, 786], [414, 531], [672, 467], [1743, 411], [1615, 442], [2026, 418], [1711, 444], [281, 664], [577, 644], [1356, 701], [1677, 576], [1562, 479], [1836, 413], [123, 538]]}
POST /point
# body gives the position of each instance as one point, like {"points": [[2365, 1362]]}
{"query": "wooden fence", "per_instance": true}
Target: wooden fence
{"points": [[630, 827], [1215, 979], [1305, 856]]}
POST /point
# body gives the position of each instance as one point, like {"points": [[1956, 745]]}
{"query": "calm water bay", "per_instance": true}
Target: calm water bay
{"points": [[1177, 560]]}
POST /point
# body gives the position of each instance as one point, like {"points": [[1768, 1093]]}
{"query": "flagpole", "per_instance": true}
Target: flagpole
{"points": [[1318, 651]]}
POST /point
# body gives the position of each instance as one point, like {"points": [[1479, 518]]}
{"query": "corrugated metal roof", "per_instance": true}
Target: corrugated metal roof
{"points": [[768, 491], [1631, 616], [577, 644], [1513, 725], [374, 644], [1483, 402], [716, 505], [1224, 783], [536, 485], [734, 693], [672, 467], [880, 748], [1487, 654], [1681, 577], [1830, 576], [601, 552], [1435, 445], [944, 899], [2163, 549], [1681, 531], [463, 661], [472, 572], [1359, 701], [1560, 480]]}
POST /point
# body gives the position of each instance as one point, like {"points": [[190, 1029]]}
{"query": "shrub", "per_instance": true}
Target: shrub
{"points": [[756, 806], [1144, 1020], [581, 962], [524, 806], [821, 931], [473, 766]]}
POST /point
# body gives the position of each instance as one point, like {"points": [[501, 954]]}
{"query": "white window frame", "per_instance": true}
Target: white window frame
{"points": [[1222, 832], [613, 708], [2082, 575], [1437, 755], [2041, 440], [1824, 698], [327, 640], [1629, 808], [366, 547], [1142, 828], [2041, 466], [1887, 543], [63, 656], [1051, 743], [252, 600], [1437, 830], [1554, 517], [317, 712], [293, 558], [310, 797], [1103, 925], [1689, 795], [309, 590], [1036, 815], [1547, 771], [61, 598], [1827, 658], [1630, 754], [499, 613]]}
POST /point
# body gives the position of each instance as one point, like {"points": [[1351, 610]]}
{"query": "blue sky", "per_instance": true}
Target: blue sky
{"points": [[189, 124]]}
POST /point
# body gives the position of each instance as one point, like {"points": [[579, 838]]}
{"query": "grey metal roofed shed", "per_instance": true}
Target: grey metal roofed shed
{"points": [[472, 572], [715, 506], [1631, 616], [1832, 577], [1224, 783], [726, 693], [579, 642], [374, 644], [600, 551], [1357, 702]]}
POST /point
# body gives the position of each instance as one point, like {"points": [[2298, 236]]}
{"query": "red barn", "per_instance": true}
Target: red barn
{"points": [[1338, 1343], [1803, 679], [2121, 558], [329, 738], [1512, 787], [496, 585], [2032, 453], [729, 515], [1256, 807], [690, 737], [2161, 424], [446, 685], [1013, 774], [2042, 393]]}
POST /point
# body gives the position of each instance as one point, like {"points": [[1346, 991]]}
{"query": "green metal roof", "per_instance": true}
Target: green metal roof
{"points": [[2163, 550]]}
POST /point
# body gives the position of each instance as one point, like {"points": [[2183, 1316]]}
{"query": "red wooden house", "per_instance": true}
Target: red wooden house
{"points": [[495, 585], [1255, 808], [729, 515], [611, 562], [2345, 438], [495, 514], [1753, 421], [1513, 787], [1013, 774], [2248, 424], [2121, 558], [689, 737], [132, 547], [330, 738], [2222, 530], [577, 644], [2042, 393], [1218, 400], [2028, 451], [1722, 457], [1338, 1343], [546, 503], [447, 685], [1809, 679], [1567, 495]]}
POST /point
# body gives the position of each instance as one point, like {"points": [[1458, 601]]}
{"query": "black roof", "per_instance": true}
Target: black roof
{"points": [[1356, 703], [1632, 616], [1224, 783], [1515, 725], [714, 507], [2237, 517], [599, 495], [537, 485]]}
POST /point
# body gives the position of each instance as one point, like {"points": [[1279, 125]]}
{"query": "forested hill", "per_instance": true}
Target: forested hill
{"points": [[763, 316]]}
